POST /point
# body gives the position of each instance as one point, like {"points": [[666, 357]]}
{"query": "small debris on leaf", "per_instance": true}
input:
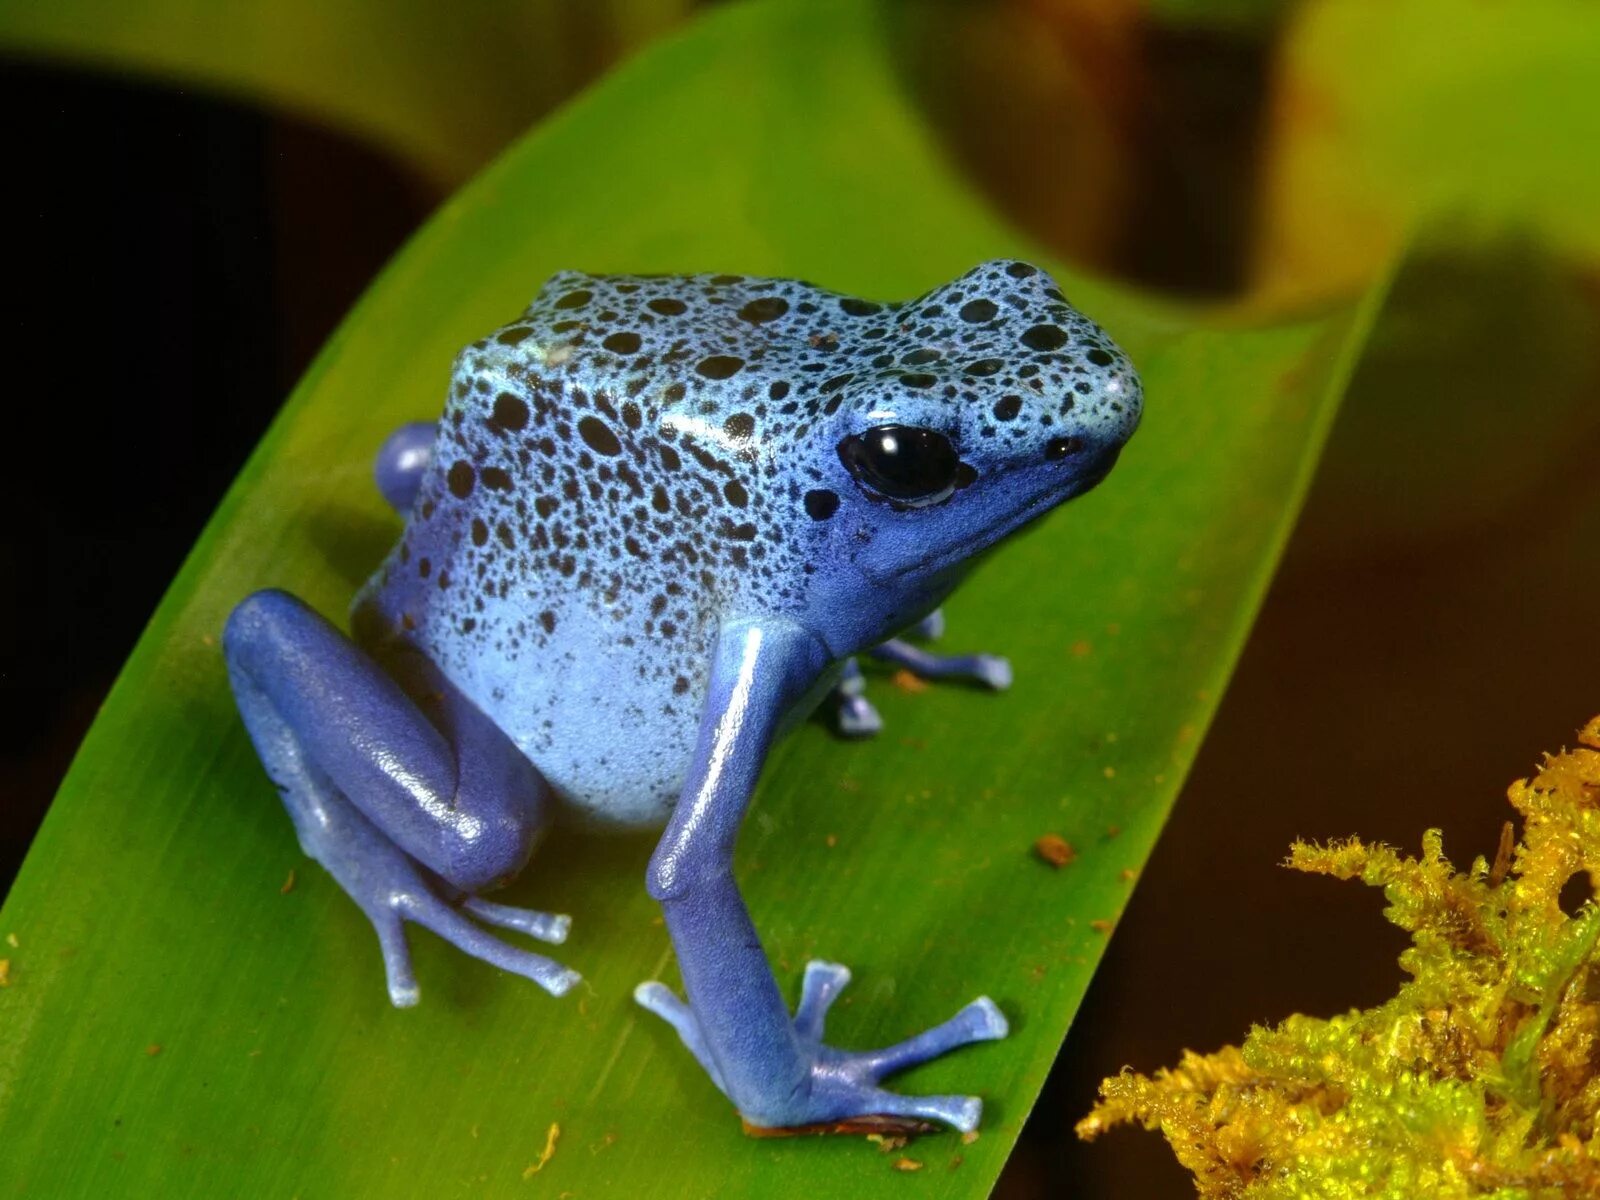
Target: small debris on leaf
{"points": [[907, 1164], [907, 682], [1102, 926], [153, 1049], [288, 884], [887, 1142], [5, 972], [1055, 850], [969, 1137], [546, 1154]]}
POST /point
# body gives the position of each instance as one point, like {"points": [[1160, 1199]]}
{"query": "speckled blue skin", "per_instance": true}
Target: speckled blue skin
{"points": [[641, 544]]}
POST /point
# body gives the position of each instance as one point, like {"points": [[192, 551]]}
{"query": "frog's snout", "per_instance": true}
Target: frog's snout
{"points": [[1086, 457]]}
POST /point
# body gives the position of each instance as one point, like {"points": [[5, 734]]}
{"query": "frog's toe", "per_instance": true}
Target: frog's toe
{"points": [[930, 628], [960, 1112], [980, 1021], [546, 927], [429, 911], [856, 718], [658, 998], [402, 981], [820, 987], [853, 714], [990, 670]]}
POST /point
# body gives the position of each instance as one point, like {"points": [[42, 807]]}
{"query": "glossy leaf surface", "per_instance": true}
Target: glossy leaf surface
{"points": [[179, 1022]]}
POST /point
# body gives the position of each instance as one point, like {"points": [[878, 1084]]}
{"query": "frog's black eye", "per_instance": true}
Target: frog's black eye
{"points": [[903, 463]]}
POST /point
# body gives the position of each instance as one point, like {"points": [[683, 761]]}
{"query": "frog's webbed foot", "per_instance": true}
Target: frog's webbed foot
{"points": [[854, 715], [841, 1093]]}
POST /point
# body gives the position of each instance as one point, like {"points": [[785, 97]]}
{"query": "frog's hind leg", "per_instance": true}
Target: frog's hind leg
{"points": [[397, 784], [401, 461]]}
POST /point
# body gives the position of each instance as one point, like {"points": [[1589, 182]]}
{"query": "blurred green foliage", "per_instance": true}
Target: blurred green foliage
{"points": [[443, 86]]}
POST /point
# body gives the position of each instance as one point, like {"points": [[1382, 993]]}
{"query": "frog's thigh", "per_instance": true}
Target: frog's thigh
{"points": [[397, 740]]}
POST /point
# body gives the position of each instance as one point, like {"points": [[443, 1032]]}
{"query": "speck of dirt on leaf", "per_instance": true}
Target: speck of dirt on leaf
{"points": [[970, 1136], [908, 683], [5, 972], [887, 1143], [288, 884], [907, 1164], [1055, 850], [1113, 830], [11, 940], [1103, 926], [546, 1154], [153, 1049]]}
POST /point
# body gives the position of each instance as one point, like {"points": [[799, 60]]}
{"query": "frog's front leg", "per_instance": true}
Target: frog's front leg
{"points": [[776, 1069], [854, 715], [396, 783]]}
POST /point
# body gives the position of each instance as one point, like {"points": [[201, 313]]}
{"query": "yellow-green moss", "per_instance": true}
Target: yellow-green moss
{"points": [[1481, 1078]]}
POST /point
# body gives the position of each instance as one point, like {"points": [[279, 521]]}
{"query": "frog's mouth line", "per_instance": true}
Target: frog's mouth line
{"points": [[937, 560]]}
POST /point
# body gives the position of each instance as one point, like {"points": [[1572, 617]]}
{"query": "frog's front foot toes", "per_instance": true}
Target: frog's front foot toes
{"points": [[842, 1093], [845, 1083], [989, 670], [853, 714]]}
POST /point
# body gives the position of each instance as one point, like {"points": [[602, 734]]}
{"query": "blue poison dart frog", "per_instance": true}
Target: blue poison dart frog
{"points": [[657, 520]]}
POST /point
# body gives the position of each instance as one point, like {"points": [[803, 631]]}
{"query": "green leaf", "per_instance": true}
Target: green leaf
{"points": [[771, 139], [444, 87]]}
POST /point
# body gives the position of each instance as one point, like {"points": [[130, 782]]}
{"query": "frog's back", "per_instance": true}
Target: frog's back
{"points": [[595, 504]]}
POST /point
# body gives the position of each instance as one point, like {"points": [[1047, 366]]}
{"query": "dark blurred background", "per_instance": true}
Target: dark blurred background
{"points": [[174, 261]]}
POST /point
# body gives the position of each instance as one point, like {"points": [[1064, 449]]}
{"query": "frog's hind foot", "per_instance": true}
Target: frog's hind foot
{"points": [[391, 889], [427, 910], [399, 786]]}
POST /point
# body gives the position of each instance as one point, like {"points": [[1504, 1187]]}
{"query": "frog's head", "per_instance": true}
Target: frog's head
{"points": [[991, 401]]}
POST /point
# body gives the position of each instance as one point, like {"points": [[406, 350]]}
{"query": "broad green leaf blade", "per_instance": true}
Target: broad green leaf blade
{"points": [[442, 86], [771, 139]]}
